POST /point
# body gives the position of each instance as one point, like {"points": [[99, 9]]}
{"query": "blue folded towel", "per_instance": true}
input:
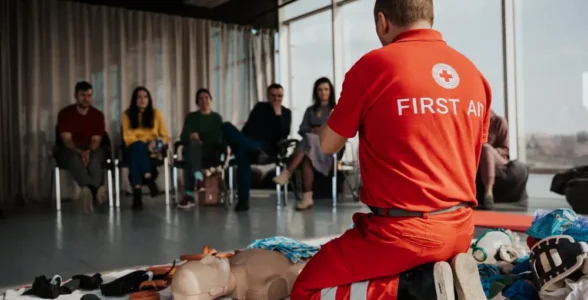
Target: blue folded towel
{"points": [[294, 250]]}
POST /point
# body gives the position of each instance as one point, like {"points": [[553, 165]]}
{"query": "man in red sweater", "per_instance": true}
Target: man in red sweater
{"points": [[81, 127], [418, 175]]}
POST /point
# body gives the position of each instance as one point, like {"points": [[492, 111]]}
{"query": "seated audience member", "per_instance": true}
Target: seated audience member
{"points": [[145, 136], [500, 180], [268, 123], [201, 138], [81, 127], [308, 153]]}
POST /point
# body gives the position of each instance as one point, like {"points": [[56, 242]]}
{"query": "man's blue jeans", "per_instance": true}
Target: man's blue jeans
{"points": [[136, 156], [244, 148]]}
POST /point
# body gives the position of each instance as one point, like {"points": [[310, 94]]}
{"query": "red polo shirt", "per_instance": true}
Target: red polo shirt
{"points": [[422, 111]]}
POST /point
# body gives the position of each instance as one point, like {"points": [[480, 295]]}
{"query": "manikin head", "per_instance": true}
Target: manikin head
{"points": [[206, 279], [396, 16]]}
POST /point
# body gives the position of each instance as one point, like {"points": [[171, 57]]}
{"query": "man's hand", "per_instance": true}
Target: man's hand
{"points": [[85, 157], [195, 136], [277, 108], [151, 146]]}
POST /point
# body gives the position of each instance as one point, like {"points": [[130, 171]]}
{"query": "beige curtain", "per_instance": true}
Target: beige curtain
{"points": [[49, 45]]}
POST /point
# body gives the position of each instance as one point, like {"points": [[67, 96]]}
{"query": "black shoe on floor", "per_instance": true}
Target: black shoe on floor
{"points": [[488, 203], [427, 282], [137, 200], [153, 189], [45, 288], [242, 206]]}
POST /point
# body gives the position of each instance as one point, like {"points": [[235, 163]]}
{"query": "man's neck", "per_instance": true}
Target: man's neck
{"points": [[206, 112], [422, 24], [82, 110]]}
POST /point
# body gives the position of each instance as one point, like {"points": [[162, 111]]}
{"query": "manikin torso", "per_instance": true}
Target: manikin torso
{"points": [[252, 274], [263, 274]]}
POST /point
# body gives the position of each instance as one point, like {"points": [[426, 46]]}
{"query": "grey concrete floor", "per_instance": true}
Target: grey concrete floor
{"points": [[36, 240]]}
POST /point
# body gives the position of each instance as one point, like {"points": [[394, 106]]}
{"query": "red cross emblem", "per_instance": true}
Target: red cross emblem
{"points": [[445, 75]]}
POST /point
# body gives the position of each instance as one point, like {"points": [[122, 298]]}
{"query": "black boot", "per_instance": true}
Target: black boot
{"points": [[137, 199], [153, 189], [242, 206]]}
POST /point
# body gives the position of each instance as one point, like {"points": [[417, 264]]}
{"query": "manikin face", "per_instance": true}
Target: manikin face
{"points": [[204, 101], [275, 96], [206, 279], [84, 99], [324, 91], [142, 99]]}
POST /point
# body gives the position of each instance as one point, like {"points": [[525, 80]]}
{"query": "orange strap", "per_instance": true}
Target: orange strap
{"points": [[206, 250], [145, 295], [154, 285]]}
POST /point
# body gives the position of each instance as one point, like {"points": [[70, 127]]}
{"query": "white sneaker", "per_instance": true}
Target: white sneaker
{"points": [[466, 277], [443, 275]]}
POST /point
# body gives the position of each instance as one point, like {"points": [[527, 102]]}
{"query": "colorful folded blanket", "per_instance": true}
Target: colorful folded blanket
{"points": [[295, 251], [562, 221]]}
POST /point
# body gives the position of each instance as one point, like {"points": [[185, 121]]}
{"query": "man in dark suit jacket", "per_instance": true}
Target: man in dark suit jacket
{"points": [[268, 123]]}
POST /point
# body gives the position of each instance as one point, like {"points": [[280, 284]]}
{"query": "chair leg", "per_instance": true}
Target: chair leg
{"points": [[278, 188], [117, 182], [175, 183], [231, 186], [109, 179], [51, 184], [57, 190], [166, 175], [286, 194], [334, 184]]}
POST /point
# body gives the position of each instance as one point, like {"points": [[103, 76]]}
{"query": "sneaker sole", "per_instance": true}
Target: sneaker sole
{"points": [[466, 278], [443, 281]]}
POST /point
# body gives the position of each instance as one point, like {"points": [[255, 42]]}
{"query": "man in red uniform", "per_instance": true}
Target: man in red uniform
{"points": [[419, 174]]}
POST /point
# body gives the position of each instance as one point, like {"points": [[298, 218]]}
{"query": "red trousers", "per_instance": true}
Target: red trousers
{"points": [[365, 261]]}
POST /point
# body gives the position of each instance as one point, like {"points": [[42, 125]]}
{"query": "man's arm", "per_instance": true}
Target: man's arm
{"points": [[284, 123], [186, 129], [486, 122], [98, 133], [64, 127], [347, 116], [502, 145]]}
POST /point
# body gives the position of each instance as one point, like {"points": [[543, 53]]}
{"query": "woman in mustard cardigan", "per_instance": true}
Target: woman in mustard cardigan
{"points": [[144, 135]]}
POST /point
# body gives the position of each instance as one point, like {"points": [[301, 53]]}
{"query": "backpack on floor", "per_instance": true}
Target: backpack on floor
{"points": [[561, 180], [214, 190], [573, 184]]}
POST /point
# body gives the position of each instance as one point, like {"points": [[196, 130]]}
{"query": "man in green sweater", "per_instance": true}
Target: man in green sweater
{"points": [[202, 141]]}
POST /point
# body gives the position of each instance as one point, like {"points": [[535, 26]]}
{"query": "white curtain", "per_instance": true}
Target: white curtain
{"points": [[49, 45]]}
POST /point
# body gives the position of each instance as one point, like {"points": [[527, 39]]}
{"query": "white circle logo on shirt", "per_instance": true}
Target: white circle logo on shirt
{"points": [[445, 76]]}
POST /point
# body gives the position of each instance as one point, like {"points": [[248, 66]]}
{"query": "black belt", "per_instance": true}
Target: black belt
{"points": [[395, 212]]}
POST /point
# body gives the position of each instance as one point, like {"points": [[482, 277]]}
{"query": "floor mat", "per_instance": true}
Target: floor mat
{"points": [[494, 219]]}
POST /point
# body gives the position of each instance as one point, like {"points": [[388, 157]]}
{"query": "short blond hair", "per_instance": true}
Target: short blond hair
{"points": [[406, 12]]}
